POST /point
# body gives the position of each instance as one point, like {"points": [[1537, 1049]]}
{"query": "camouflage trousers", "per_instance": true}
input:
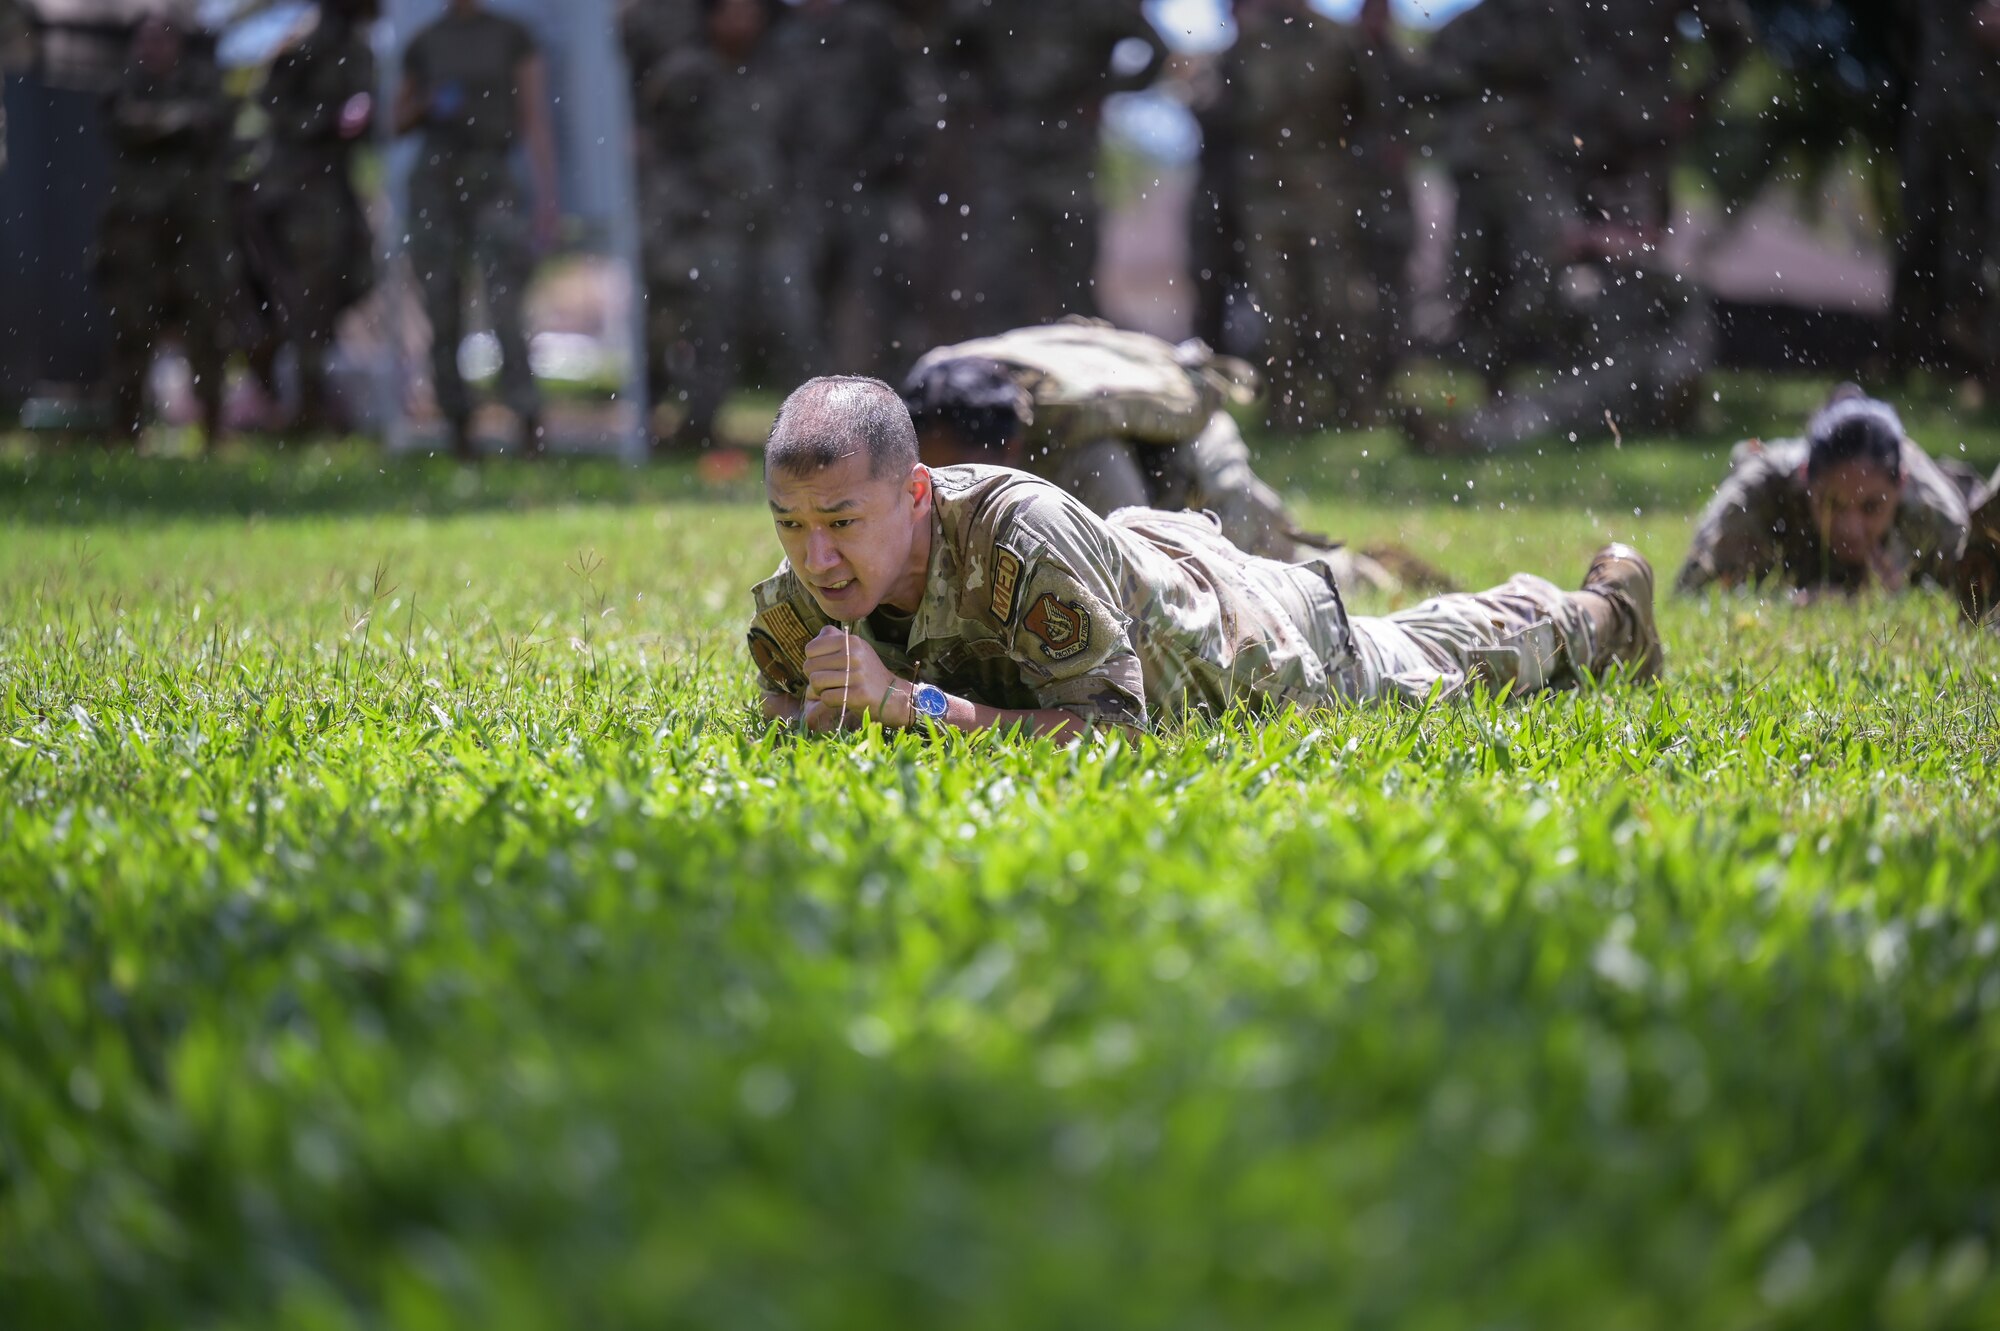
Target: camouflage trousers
{"points": [[1641, 367], [855, 248], [1527, 632], [1036, 220], [161, 272], [716, 292], [1512, 211], [1211, 471], [1323, 311], [323, 264], [467, 214]]}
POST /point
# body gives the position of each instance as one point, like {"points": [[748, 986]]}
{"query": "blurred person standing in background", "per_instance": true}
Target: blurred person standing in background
{"points": [[850, 145], [474, 86], [319, 94], [164, 256], [1947, 288], [1310, 116], [721, 266], [1493, 74], [1037, 75], [1630, 111]]}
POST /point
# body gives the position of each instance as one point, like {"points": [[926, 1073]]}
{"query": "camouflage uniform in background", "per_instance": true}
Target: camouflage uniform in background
{"points": [[1033, 601], [1296, 99], [1627, 107], [1978, 573], [1647, 338], [1947, 287], [652, 30], [1384, 233], [1039, 75], [721, 264], [1760, 524], [1216, 248], [316, 222], [164, 260], [852, 219], [1492, 69], [466, 209]]}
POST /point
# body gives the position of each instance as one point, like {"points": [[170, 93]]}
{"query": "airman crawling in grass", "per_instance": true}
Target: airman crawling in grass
{"points": [[1855, 502], [975, 596]]}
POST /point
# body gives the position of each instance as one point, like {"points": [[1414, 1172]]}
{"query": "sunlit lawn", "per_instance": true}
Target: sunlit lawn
{"points": [[403, 922]]}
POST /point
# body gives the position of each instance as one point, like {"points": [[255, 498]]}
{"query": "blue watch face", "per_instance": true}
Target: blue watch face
{"points": [[929, 700]]}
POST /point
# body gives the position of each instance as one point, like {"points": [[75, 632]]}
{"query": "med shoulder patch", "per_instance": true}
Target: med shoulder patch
{"points": [[1006, 582]]}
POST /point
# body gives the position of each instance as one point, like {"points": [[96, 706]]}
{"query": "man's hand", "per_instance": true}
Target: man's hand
{"points": [[844, 677]]}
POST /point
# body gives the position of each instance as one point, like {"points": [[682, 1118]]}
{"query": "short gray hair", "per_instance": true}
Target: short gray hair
{"points": [[827, 419]]}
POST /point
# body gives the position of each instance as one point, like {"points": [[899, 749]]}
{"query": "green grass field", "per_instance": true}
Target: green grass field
{"points": [[403, 922]]}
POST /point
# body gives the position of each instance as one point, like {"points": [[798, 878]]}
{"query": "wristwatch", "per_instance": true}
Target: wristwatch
{"points": [[929, 702]]}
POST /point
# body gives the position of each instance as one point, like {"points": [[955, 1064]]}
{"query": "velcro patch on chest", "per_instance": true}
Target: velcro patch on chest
{"points": [[1063, 627], [1006, 580]]}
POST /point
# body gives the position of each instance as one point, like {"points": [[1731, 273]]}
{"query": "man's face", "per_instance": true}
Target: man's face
{"points": [[1854, 506], [849, 536]]}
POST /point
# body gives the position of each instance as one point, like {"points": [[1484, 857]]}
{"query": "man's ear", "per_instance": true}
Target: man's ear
{"points": [[919, 487]]}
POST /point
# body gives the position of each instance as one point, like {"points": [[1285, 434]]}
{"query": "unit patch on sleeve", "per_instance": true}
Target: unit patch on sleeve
{"points": [[1006, 577], [1062, 626]]}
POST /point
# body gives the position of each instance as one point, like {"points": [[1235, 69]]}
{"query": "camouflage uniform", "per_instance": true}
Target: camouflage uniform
{"points": [[1948, 267], [311, 212], [1033, 601], [1760, 523], [163, 257], [1626, 107], [1492, 68], [1384, 230], [1123, 419], [853, 219], [721, 265], [1039, 75], [1979, 568], [1300, 115], [1216, 248], [1647, 339], [465, 205]]}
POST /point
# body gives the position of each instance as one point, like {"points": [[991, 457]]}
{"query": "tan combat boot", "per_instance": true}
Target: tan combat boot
{"points": [[1622, 578]]}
